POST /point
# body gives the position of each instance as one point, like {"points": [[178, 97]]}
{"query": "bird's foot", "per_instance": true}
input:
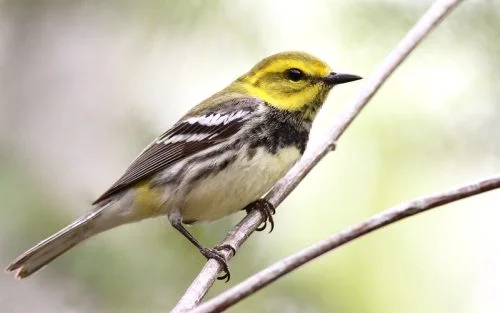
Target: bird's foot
{"points": [[266, 208], [216, 254]]}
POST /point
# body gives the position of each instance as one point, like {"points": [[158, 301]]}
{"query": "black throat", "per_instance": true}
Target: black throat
{"points": [[280, 129]]}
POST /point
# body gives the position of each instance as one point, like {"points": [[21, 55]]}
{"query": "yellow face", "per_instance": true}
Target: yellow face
{"points": [[290, 81]]}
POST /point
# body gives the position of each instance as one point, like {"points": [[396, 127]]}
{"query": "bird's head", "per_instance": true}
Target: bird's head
{"points": [[291, 81]]}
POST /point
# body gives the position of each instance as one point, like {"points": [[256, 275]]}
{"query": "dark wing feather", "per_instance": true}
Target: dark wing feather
{"points": [[170, 147]]}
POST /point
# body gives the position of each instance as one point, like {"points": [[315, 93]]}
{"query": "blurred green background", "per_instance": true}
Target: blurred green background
{"points": [[85, 85]]}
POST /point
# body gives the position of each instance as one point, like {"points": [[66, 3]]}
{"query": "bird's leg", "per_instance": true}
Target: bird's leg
{"points": [[266, 208], [210, 253]]}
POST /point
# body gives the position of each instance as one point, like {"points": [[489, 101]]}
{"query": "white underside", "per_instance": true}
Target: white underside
{"points": [[213, 197], [229, 191]]}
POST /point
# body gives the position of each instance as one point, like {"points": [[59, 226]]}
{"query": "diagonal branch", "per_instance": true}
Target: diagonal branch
{"points": [[389, 216], [205, 279]]}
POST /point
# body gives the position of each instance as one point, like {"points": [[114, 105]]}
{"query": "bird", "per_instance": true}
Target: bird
{"points": [[219, 158]]}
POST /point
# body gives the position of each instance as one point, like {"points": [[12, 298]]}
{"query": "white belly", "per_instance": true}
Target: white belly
{"points": [[242, 182]]}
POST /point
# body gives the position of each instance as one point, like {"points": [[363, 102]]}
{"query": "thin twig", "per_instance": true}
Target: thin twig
{"points": [[282, 189], [389, 216]]}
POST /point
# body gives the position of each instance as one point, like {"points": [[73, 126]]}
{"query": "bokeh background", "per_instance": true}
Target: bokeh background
{"points": [[85, 85]]}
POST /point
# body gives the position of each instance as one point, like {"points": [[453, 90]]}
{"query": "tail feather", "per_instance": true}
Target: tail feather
{"points": [[49, 249]]}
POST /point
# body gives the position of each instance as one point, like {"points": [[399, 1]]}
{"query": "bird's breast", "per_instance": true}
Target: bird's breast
{"points": [[245, 179]]}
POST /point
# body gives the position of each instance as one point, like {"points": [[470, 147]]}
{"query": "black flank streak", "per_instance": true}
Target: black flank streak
{"points": [[200, 159], [213, 169], [251, 153]]}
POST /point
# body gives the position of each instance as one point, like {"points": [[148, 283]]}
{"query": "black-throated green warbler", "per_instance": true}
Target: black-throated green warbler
{"points": [[218, 159]]}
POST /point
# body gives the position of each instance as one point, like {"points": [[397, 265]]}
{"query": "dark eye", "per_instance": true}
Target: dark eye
{"points": [[294, 74]]}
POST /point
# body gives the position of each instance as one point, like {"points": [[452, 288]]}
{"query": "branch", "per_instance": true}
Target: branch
{"points": [[314, 154], [389, 216]]}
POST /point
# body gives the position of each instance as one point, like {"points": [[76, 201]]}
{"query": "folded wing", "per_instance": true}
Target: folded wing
{"points": [[186, 138]]}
